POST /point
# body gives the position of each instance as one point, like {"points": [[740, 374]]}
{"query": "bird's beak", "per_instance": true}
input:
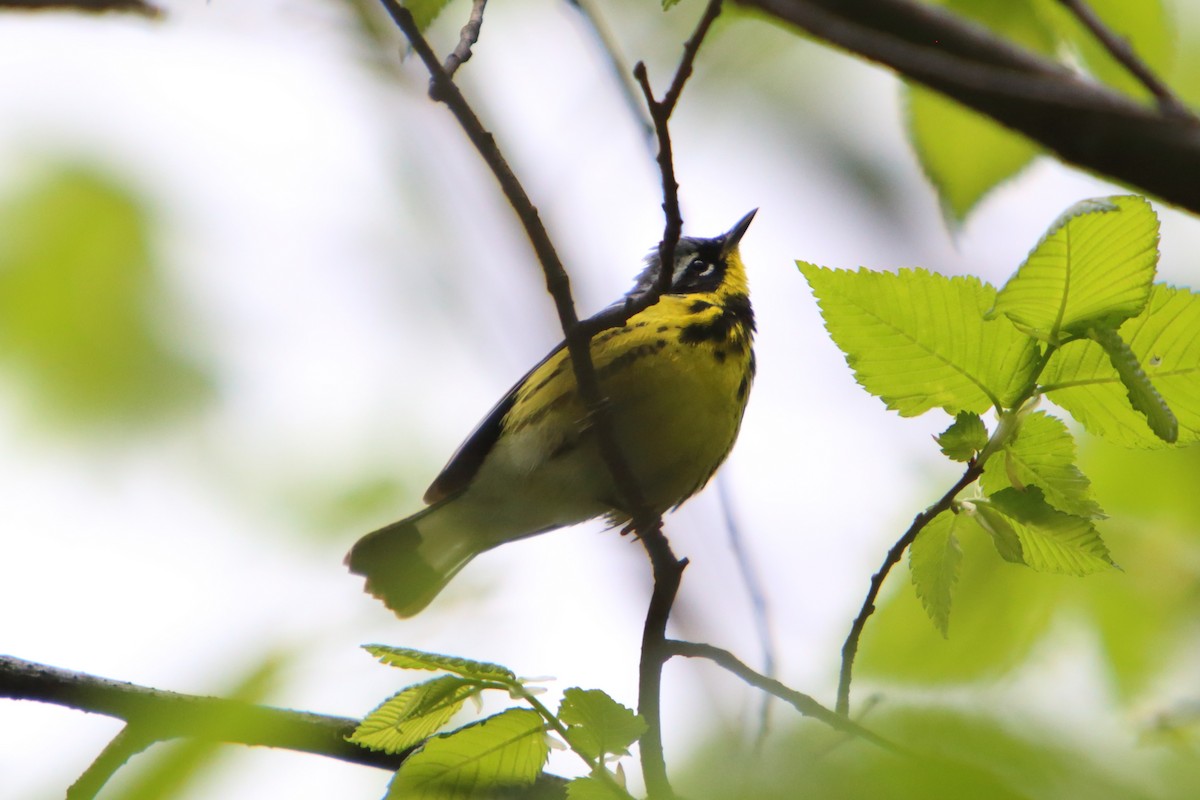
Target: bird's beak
{"points": [[735, 234]]}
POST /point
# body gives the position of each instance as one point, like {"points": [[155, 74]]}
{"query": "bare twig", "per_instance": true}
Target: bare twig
{"points": [[850, 648], [805, 704], [1083, 123], [758, 599], [467, 38], [1123, 52], [616, 65]]}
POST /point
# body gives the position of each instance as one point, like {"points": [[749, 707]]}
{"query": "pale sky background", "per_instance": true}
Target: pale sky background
{"points": [[336, 255]]}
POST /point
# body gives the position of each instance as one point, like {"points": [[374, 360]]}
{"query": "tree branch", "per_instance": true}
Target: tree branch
{"points": [[1122, 51], [91, 6], [850, 648], [162, 715], [154, 715], [805, 704], [1084, 124]]}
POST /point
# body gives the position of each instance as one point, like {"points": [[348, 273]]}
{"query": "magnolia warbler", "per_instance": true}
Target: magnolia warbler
{"points": [[675, 377]]}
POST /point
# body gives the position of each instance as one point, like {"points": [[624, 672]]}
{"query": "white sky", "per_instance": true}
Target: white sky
{"points": [[306, 199]]}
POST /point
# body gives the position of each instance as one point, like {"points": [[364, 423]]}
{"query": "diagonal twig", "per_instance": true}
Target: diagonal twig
{"points": [[850, 648], [759, 609], [558, 284], [467, 38], [616, 65], [1123, 52], [805, 704]]}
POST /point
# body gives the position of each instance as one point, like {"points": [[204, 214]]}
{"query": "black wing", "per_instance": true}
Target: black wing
{"points": [[466, 461]]}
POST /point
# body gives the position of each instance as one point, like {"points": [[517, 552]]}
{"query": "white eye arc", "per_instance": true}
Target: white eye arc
{"points": [[699, 268]]}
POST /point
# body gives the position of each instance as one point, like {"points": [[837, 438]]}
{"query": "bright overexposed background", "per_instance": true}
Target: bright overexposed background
{"points": [[335, 260]]}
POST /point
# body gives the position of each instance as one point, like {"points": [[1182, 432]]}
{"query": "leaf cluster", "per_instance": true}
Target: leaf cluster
{"points": [[504, 750], [1081, 323]]}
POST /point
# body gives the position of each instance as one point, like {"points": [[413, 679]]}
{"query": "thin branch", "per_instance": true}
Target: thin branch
{"points": [[617, 66], [850, 648], [1123, 52], [467, 38], [805, 704], [1084, 124], [124, 746], [759, 610]]}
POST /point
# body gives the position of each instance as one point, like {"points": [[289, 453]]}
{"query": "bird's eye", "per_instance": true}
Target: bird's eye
{"points": [[699, 268]]}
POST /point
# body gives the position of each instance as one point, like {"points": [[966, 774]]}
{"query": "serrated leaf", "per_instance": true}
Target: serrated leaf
{"points": [[965, 437], [1165, 340], [1043, 454], [1142, 395], [966, 154], [597, 724], [934, 562], [1051, 541], [407, 658], [918, 340], [412, 715], [507, 749], [1094, 266]]}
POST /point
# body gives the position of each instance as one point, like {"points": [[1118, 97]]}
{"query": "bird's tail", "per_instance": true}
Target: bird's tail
{"points": [[409, 562]]}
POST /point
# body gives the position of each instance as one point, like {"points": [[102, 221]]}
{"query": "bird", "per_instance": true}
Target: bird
{"points": [[675, 377]]}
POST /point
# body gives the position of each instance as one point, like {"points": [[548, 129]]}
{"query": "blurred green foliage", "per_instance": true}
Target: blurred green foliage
{"points": [[81, 311], [947, 755]]}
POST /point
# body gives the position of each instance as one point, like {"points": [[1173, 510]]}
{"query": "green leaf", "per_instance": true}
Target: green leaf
{"points": [[964, 153], [84, 320], [1043, 454], [918, 340], [411, 716], [1142, 395], [407, 658], [1051, 541], [591, 788], [965, 437], [1080, 377], [425, 11], [1094, 266], [504, 750], [597, 724], [934, 561], [1004, 535]]}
